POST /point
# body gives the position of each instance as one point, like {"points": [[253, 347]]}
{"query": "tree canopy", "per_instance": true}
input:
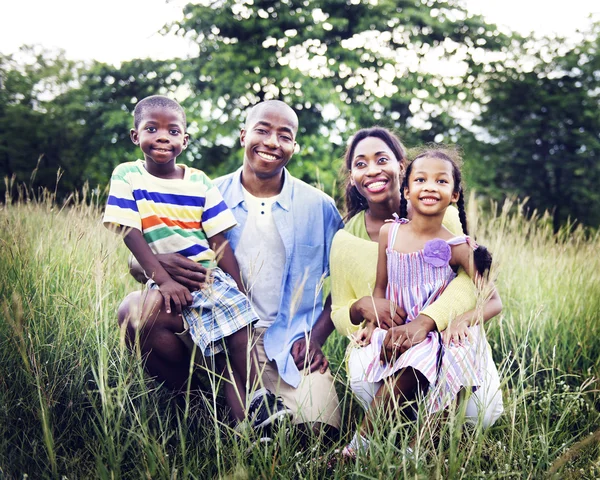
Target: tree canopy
{"points": [[524, 110]]}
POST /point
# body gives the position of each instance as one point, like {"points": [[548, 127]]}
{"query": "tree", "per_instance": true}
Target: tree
{"points": [[341, 64], [541, 114]]}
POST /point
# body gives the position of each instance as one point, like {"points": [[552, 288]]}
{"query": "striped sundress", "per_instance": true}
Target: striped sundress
{"points": [[415, 282]]}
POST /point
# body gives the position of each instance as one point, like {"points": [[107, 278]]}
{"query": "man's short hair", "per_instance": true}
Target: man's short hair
{"points": [[156, 101]]}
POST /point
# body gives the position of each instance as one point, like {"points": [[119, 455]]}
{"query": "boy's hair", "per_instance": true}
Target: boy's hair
{"points": [[355, 202], [481, 256], [156, 101]]}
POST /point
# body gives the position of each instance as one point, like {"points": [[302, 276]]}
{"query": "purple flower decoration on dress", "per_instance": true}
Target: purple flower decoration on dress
{"points": [[437, 252]]}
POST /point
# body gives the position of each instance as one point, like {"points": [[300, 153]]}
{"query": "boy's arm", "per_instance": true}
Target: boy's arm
{"points": [[169, 288], [226, 259]]}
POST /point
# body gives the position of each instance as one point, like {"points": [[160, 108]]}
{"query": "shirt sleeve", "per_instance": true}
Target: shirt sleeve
{"points": [[460, 295], [121, 207], [216, 217]]}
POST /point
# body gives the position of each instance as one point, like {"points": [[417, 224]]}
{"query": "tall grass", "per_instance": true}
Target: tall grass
{"points": [[75, 403]]}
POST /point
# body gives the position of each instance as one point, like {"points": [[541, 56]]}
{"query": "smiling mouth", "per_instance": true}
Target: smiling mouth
{"points": [[429, 200], [376, 186], [267, 156], [161, 150]]}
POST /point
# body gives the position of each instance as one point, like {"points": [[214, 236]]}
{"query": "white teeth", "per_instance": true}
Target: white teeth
{"points": [[376, 185], [266, 156]]}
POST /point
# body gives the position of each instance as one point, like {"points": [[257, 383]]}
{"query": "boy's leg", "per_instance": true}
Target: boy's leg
{"points": [[240, 364], [166, 356]]}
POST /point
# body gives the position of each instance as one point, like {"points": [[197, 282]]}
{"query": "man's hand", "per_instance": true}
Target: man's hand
{"points": [[184, 271], [380, 312], [309, 354], [399, 339], [176, 293]]}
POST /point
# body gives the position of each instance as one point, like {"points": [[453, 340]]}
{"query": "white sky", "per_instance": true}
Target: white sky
{"points": [[116, 30]]}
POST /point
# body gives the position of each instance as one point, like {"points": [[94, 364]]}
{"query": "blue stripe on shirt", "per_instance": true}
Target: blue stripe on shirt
{"points": [[169, 198], [212, 212], [192, 251], [122, 203]]}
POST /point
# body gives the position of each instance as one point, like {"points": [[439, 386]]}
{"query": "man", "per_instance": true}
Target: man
{"points": [[282, 246]]}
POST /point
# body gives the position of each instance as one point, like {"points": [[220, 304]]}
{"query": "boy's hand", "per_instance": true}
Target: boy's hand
{"points": [[184, 271], [457, 333], [176, 293]]}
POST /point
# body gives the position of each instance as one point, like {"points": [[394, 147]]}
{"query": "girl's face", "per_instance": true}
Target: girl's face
{"points": [[375, 171], [430, 186]]}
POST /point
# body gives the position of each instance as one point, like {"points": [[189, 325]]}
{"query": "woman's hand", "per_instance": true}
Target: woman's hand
{"points": [[184, 271], [399, 339], [380, 312], [457, 333], [363, 336], [309, 354]]}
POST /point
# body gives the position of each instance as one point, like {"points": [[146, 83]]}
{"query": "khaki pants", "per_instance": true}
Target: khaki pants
{"points": [[315, 399]]}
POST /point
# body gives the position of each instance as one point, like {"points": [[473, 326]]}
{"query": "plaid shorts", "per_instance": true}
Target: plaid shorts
{"points": [[217, 311]]}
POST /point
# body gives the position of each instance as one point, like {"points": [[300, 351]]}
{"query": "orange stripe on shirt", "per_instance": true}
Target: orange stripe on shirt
{"points": [[155, 220]]}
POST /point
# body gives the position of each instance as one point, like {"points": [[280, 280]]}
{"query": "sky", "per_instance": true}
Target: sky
{"points": [[113, 31]]}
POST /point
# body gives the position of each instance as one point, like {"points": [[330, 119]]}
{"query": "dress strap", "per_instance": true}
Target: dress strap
{"points": [[394, 230], [463, 239]]}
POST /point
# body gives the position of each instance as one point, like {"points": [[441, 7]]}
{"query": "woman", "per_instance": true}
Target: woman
{"points": [[375, 161]]}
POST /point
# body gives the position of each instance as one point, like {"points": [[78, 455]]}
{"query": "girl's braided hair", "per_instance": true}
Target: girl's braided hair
{"points": [[482, 257]]}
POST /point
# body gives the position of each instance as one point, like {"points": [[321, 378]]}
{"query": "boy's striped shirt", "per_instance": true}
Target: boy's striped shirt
{"points": [[174, 215]]}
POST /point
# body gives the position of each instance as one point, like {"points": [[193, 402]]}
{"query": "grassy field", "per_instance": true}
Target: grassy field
{"points": [[74, 403]]}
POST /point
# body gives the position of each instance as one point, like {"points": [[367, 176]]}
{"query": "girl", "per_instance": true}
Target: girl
{"points": [[416, 261]]}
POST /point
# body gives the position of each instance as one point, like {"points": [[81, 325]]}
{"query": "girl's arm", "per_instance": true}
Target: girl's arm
{"points": [[460, 296], [457, 331], [381, 280]]}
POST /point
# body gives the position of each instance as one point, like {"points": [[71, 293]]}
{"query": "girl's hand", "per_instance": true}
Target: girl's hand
{"points": [[399, 339], [378, 311], [176, 293], [457, 333]]}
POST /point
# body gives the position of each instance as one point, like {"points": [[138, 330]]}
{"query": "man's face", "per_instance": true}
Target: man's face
{"points": [[269, 140]]}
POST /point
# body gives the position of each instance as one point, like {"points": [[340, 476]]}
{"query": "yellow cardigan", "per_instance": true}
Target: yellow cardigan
{"points": [[353, 266]]}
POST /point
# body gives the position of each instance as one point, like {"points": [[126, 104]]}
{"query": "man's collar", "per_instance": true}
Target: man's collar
{"points": [[285, 196]]}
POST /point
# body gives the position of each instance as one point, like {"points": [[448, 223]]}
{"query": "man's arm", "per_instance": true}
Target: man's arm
{"points": [[190, 274], [307, 351], [169, 288]]}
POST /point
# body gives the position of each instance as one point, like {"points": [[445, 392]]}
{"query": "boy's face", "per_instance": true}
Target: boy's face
{"points": [[269, 140], [161, 136]]}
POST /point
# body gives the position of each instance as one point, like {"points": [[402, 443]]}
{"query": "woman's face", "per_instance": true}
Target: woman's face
{"points": [[375, 171]]}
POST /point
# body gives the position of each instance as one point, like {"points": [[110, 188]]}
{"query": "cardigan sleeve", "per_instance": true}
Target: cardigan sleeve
{"points": [[342, 291], [460, 295]]}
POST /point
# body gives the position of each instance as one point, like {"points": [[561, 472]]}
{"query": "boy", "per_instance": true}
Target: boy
{"points": [[163, 207]]}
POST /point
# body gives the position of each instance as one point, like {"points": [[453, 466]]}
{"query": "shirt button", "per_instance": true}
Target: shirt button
{"points": [[262, 213]]}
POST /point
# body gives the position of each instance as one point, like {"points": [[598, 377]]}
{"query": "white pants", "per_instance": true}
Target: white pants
{"points": [[484, 405]]}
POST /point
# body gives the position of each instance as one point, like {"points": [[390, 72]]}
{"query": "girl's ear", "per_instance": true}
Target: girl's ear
{"points": [[352, 182], [406, 193], [456, 196]]}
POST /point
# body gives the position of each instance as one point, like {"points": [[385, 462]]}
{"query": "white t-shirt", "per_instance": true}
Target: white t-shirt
{"points": [[261, 257]]}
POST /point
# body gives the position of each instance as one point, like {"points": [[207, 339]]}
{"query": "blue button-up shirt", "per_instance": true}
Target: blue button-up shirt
{"points": [[306, 220]]}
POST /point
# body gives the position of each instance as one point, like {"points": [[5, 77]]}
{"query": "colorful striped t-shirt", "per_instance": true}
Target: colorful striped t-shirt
{"points": [[174, 215]]}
